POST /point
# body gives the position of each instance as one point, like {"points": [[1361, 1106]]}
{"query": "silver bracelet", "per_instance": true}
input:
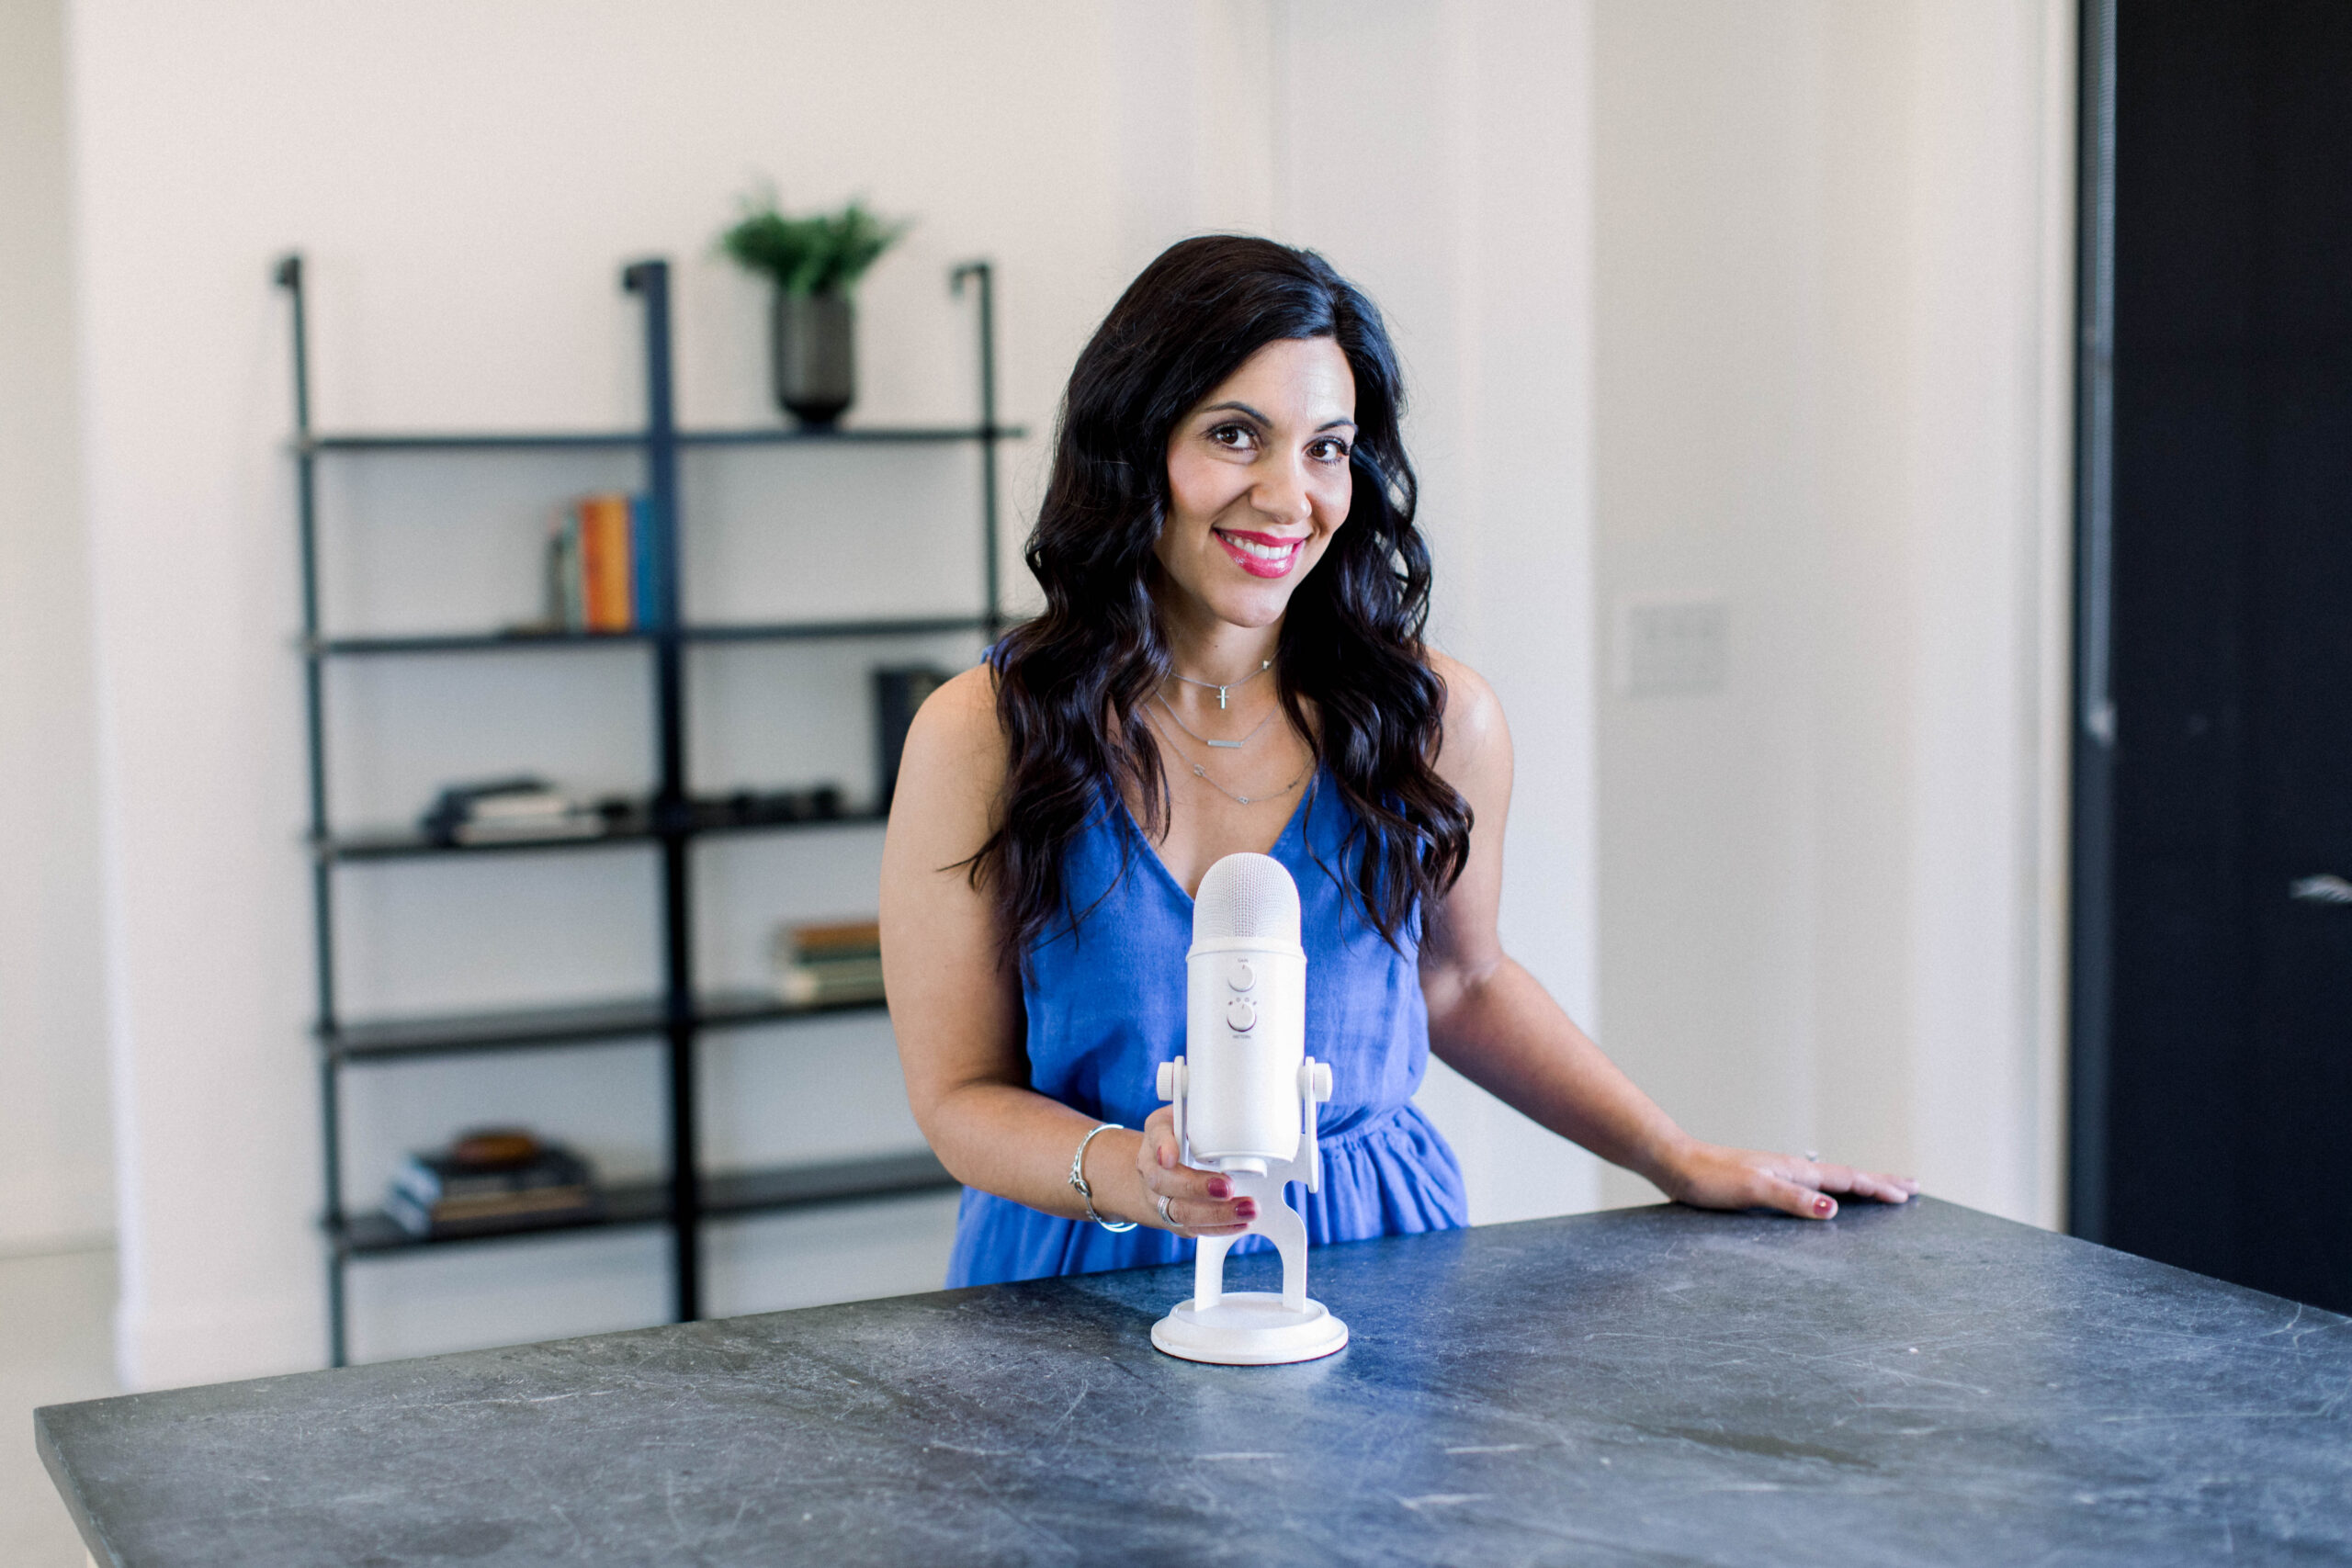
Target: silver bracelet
{"points": [[1077, 1179]]}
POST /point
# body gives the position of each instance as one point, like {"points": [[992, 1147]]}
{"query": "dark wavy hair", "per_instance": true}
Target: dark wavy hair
{"points": [[1071, 684]]}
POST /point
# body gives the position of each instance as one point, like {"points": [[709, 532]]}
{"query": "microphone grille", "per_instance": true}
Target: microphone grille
{"points": [[1247, 896]]}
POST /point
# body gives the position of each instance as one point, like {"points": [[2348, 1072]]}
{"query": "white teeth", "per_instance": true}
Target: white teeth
{"points": [[1264, 552]]}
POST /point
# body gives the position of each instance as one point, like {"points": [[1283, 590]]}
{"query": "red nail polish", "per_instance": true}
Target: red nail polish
{"points": [[1822, 1205], [1246, 1208], [1220, 1188]]}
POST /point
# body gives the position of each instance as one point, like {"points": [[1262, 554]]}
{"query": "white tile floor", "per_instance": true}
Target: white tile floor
{"points": [[56, 1344]]}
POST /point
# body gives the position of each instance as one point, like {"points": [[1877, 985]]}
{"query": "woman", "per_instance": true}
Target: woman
{"points": [[1230, 659]]}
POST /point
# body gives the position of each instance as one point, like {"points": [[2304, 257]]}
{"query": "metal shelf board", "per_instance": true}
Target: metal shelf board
{"points": [[747, 1009], [835, 1181], [470, 642], [542, 642], [409, 843], [394, 1039], [322, 443], [861, 817], [908, 435], [510, 1029], [724, 1194], [623, 440], [791, 631]]}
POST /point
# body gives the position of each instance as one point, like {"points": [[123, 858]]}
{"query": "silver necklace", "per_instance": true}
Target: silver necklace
{"points": [[1220, 745], [1263, 666], [1203, 774]]}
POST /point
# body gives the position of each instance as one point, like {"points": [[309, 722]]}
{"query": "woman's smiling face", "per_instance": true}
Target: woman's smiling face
{"points": [[1258, 481]]}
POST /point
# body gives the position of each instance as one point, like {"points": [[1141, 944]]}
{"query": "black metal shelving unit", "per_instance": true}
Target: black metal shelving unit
{"points": [[668, 822]]}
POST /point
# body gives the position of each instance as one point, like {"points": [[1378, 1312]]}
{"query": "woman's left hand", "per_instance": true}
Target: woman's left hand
{"points": [[1709, 1176]]}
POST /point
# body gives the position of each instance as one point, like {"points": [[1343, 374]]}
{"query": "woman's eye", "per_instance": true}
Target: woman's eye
{"points": [[1330, 450], [1234, 438]]}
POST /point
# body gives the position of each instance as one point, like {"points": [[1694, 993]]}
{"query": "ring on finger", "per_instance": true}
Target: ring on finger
{"points": [[1165, 1217]]}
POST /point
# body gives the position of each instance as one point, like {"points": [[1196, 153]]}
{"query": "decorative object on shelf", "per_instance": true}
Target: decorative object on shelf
{"points": [[532, 820], [815, 263], [599, 561], [491, 1179], [898, 693], [826, 965], [497, 810], [760, 808]]}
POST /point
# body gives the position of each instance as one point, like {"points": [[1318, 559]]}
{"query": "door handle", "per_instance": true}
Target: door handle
{"points": [[2325, 889]]}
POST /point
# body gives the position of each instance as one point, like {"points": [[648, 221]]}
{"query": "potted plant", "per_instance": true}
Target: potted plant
{"points": [[815, 261]]}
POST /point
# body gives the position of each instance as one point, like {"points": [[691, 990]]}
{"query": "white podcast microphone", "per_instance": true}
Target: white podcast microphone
{"points": [[1246, 1094]]}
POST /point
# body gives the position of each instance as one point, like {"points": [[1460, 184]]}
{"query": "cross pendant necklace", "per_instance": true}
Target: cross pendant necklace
{"points": [[1263, 666]]}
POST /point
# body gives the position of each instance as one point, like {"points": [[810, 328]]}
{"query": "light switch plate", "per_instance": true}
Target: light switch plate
{"points": [[1673, 648]]}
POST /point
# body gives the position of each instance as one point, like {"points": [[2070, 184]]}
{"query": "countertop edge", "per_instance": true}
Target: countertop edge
{"points": [[69, 1492]]}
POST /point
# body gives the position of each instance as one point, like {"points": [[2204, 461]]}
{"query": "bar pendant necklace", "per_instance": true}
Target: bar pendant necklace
{"points": [[1220, 745]]}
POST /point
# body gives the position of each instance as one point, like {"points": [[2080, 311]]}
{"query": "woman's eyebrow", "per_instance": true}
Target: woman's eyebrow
{"points": [[1340, 423]]}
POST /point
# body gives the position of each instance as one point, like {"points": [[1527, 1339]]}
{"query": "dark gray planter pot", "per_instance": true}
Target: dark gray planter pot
{"points": [[814, 340]]}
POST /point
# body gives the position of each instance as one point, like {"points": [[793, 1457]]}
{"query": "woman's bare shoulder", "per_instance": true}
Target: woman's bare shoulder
{"points": [[962, 707], [956, 746], [1473, 715]]}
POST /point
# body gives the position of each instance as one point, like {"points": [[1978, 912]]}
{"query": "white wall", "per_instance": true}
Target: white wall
{"points": [[1442, 155], [1833, 344], [54, 1163], [1320, 122]]}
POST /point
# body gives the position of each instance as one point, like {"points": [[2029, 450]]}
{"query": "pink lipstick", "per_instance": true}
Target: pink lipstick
{"points": [[1259, 554]]}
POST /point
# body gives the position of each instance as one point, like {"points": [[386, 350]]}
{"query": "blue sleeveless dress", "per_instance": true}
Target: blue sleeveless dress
{"points": [[1105, 1002]]}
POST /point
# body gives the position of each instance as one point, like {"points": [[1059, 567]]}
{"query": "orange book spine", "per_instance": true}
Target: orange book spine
{"points": [[605, 561]]}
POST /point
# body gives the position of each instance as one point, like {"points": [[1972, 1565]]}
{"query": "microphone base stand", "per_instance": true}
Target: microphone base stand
{"points": [[1258, 1328]]}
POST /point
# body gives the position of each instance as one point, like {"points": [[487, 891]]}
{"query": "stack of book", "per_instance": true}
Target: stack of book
{"points": [[600, 565], [496, 810], [826, 965], [498, 1178]]}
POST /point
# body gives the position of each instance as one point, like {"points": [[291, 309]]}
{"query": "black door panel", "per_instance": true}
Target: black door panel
{"points": [[2224, 1105]]}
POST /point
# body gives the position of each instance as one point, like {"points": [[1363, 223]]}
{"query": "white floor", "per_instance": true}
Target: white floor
{"points": [[56, 1345]]}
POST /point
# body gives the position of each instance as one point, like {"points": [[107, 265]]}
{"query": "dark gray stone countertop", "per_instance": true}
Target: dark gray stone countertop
{"points": [[1915, 1385]]}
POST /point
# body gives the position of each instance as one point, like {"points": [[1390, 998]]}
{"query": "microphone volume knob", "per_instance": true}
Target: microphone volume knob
{"points": [[1241, 1015]]}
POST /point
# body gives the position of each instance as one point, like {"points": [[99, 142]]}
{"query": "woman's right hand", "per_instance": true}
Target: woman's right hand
{"points": [[1200, 1202]]}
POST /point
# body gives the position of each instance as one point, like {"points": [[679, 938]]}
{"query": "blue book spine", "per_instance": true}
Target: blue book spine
{"points": [[645, 563]]}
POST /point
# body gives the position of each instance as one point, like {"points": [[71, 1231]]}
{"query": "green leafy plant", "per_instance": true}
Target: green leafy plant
{"points": [[825, 253]]}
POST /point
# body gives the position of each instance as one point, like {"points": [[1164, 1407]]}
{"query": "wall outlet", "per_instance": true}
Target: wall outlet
{"points": [[1672, 647]]}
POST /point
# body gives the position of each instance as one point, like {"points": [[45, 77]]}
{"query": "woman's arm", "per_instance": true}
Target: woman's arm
{"points": [[1492, 1021], [956, 1005]]}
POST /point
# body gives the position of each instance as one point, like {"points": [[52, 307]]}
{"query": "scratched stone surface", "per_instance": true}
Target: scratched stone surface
{"points": [[1921, 1385]]}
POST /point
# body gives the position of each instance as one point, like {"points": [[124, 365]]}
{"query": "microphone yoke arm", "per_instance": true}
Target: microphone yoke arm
{"points": [[1276, 1221]]}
